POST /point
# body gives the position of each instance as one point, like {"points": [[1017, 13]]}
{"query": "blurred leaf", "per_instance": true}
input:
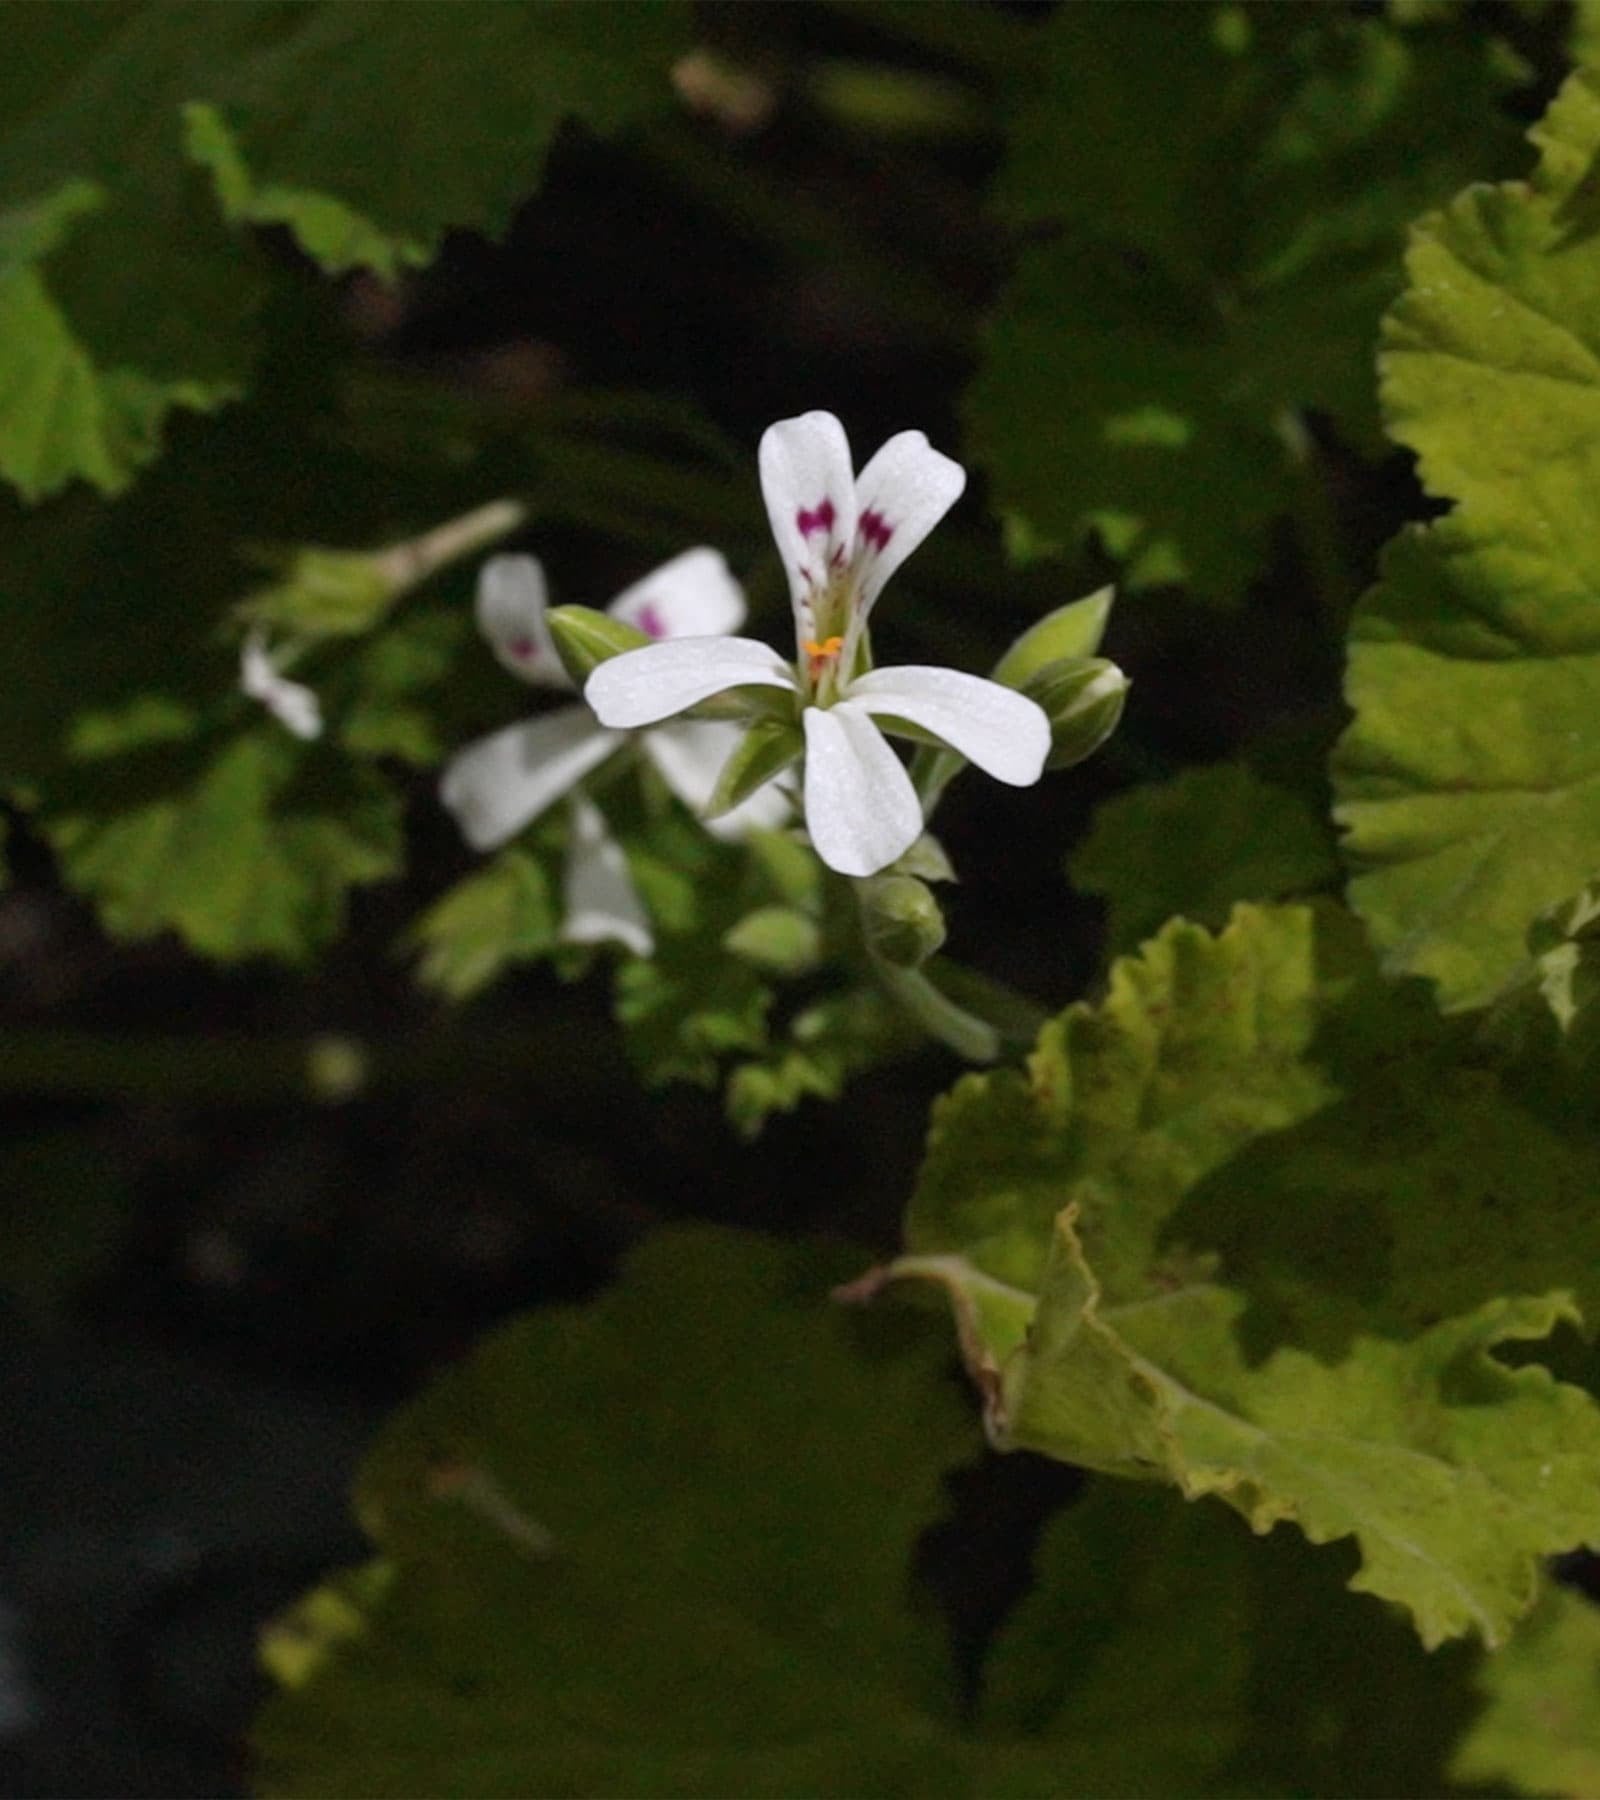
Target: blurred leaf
{"points": [[1195, 845], [816, 1055], [1540, 1732], [657, 1545], [122, 292], [253, 857], [1469, 783], [394, 679], [1225, 243], [502, 915], [1109, 1324]]}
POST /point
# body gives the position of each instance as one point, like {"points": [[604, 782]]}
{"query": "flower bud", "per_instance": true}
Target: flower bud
{"points": [[1069, 633], [900, 919], [1083, 699], [586, 638]]}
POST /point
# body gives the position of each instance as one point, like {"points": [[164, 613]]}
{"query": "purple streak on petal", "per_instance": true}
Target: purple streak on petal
{"points": [[820, 518], [651, 622], [875, 530]]}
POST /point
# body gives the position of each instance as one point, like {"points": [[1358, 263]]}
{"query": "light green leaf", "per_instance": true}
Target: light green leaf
{"points": [[1469, 783], [1227, 240], [135, 138], [1091, 1220], [627, 1560], [1540, 1731], [1195, 845], [253, 857], [503, 915]]}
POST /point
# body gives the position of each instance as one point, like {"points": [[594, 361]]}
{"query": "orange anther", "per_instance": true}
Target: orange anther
{"points": [[821, 652]]}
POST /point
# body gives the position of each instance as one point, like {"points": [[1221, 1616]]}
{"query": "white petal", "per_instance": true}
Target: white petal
{"points": [[861, 809], [1000, 730], [657, 681], [810, 491], [512, 602], [294, 705], [602, 904], [694, 595], [503, 782], [690, 756], [905, 491]]}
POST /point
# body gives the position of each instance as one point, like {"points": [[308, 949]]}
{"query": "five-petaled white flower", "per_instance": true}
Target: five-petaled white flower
{"points": [[291, 703], [841, 536], [505, 781]]}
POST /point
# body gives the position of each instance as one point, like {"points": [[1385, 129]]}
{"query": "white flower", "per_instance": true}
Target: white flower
{"points": [[841, 537], [291, 703], [505, 781]]}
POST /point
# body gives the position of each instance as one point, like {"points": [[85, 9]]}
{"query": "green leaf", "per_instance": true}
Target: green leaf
{"points": [[660, 1545], [253, 856], [1469, 783], [1225, 246], [138, 136], [503, 915], [1091, 1219], [816, 1055], [1163, 1650], [1195, 845], [627, 1560], [691, 1005], [1540, 1732]]}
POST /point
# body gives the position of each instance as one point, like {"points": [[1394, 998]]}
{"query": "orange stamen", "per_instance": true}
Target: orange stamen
{"points": [[821, 652]]}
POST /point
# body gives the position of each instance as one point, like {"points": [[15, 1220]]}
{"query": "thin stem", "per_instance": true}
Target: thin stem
{"points": [[970, 1037]]}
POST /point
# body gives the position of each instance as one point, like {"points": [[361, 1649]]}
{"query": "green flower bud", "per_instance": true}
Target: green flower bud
{"points": [[586, 638], [1070, 632], [1083, 699], [900, 919]]}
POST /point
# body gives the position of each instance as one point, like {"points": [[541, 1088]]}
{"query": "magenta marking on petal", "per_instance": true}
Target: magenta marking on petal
{"points": [[875, 530], [819, 518], [523, 649], [651, 622]]}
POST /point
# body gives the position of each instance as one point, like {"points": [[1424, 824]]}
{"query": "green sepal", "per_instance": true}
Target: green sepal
{"points": [[767, 748], [900, 919], [781, 939], [1083, 699], [585, 638], [1067, 633], [926, 859]]}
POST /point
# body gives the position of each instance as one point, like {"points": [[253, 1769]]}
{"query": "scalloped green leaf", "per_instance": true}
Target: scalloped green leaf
{"points": [[1540, 1731], [1225, 246], [661, 1545], [1469, 782], [1092, 1220], [251, 855], [139, 144], [501, 915], [1197, 844]]}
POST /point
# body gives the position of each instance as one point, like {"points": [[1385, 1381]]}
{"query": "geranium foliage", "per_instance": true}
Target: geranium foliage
{"points": [[1247, 360]]}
